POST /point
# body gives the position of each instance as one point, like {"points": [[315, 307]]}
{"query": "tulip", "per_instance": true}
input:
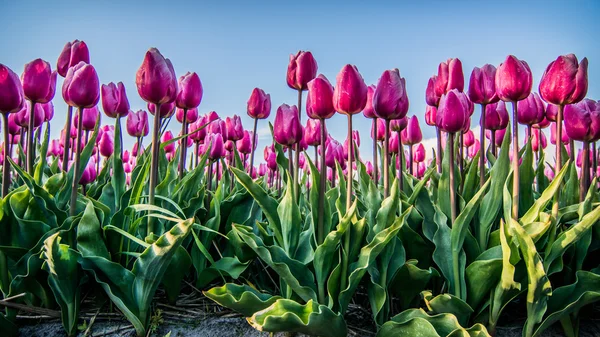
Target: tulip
{"points": [[312, 133], [543, 124], [552, 112], [301, 70], [48, 109], [412, 133], [287, 129], [188, 99], [22, 117], [244, 145], [450, 76], [106, 145], [419, 154], [235, 130], [513, 84], [453, 111], [482, 90], [430, 115], [166, 110], [114, 100], [137, 125], [496, 116], [431, 97], [395, 143], [538, 140], [258, 107], [531, 110], [89, 174], [90, 117], [390, 101], [11, 92], [564, 137], [191, 115], [73, 53], [564, 81], [218, 126], [378, 130], [469, 139], [369, 168], [54, 148], [474, 149], [398, 125], [39, 81], [262, 169]]}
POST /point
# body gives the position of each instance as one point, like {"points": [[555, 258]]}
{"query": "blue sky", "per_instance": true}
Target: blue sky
{"points": [[235, 46]]}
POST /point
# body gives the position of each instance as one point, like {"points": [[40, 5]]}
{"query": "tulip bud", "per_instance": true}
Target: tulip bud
{"points": [[166, 110], [431, 97], [22, 117], [468, 139], [395, 143], [301, 70], [398, 125], [287, 130], [312, 132], [565, 80], [244, 145], [499, 135], [450, 76], [89, 173], [72, 54], [191, 115], [48, 109], [582, 120], [453, 111], [419, 154], [350, 93], [137, 124], [39, 81], [430, 115], [390, 99], [319, 101], [412, 135], [155, 79], [482, 85], [167, 136], [369, 168], [11, 91], [106, 145], [259, 104], [551, 112], [369, 111], [530, 110], [81, 87], [564, 137], [262, 169], [496, 116], [356, 140], [513, 80], [190, 91], [218, 126], [538, 139], [54, 148], [472, 152], [198, 131], [235, 130], [90, 116], [579, 160], [114, 100], [380, 129], [217, 148]]}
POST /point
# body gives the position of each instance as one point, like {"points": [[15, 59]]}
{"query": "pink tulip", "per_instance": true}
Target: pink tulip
{"points": [[531, 110], [513, 80], [369, 111], [390, 99], [54, 148], [106, 145], [430, 115], [350, 93], [244, 145], [431, 97], [450, 76], [412, 135], [235, 130], [198, 132], [380, 129], [453, 111], [564, 137], [312, 132], [167, 136], [468, 139], [301, 70], [398, 125], [565, 80], [155, 79], [496, 116], [114, 100], [287, 129], [81, 87], [90, 116], [395, 144], [217, 147], [582, 120], [166, 110], [319, 101], [137, 124], [419, 153], [482, 85], [259, 104], [22, 117], [89, 173], [191, 115]]}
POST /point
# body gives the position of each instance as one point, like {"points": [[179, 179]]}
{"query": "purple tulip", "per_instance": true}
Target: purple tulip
{"points": [[11, 91], [582, 120], [468, 139], [301, 70], [90, 116], [431, 97], [89, 173], [259, 104], [217, 148], [419, 154], [244, 145], [198, 133], [398, 125], [137, 124], [22, 117], [166, 110], [167, 136], [39, 81], [380, 129], [412, 135], [155, 79], [73, 53], [564, 137], [287, 130], [496, 116], [235, 130], [390, 99], [513, 80], [81, 87], [531, 110], [319, 101], [453, 111], [482, 85], [312, 132], [106, 144], [565, 80], [114, 100], [430, 115], [369, 111], [191, 115]]}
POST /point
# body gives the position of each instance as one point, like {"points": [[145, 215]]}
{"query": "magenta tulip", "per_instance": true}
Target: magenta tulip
{"points": [[380, 136], [190, 91], [419, 154], [137, 124], [412, 135], [496, 116], [390, 99], [217, 147], [81, 87], [430, 115], [369, 111], [350, 92], [450, 76], [114, 100], [244, 145], [582, 120], [453, 111], [482, 85], [468, 139], [531, 110], [431, 97], [287, 130], [11, 91], [398, 125], [106, 145], [513, 80], [301, 70], [166, 110], [312, 132], [235, 130], [90, 116], [39, 81], [191, 115], [565, 80], [73, 53], [319, 101], [155, 79], [259, 104], [167, 136]]}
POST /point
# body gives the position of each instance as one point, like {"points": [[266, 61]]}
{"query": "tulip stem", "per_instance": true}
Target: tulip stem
{"points": [[322, 187], [30, 146], [401, 159], [5, 163], [515, 162], [451, 176], [594, 160], [585, 171], [375, 149], [74, 186], [291, 167], [196, 146], [493, 141], [297, 157], [410, 160], [67, 140], [438, 157], [461, 152], [350, 155], [572, 150], [482, 151], [253, 147], [557, 168], [154, 164], [183, 145], [386, 160]]}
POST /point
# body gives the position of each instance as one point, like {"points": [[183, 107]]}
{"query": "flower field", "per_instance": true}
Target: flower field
{"points": [[428, 242]]}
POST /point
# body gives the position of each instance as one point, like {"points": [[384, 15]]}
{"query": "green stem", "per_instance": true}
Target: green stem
{"points": [[75, 184], [585, 171], [297, 157], [557, 168], [183, 145], [375, 163], [30, 147], [438, 157], [515, 163], [5, 163], [350, 155], [154, 163], [482, 147], [65, 163], [322, 187], [253, 147], [386, 160]]}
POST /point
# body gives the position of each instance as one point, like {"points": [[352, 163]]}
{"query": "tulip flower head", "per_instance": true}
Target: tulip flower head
{"points": [[513, 80], [582, 120], [390, 99], [312, 132], [73, 53], [259, 104], [287, 130], [137, 124], [482, 85], [191, 115], [453, 111], [412, 135], [430, 115], [11, 91], [235, 130], [155, 79], [350, 92], [450, 76], [81, 87], [114, 100], [565, 81], [496, 116], [301, 70], [319, 101], [431, 97], [190, 91], [531, 110]]}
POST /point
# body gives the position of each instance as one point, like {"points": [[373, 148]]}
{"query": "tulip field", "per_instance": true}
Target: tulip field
{"points": [[481, 230]]}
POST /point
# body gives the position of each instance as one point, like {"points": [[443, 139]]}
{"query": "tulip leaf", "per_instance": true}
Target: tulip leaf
{"points": [[416, 322], [241, 298], [409, 281], [482, 275], [540, 204], [526, 179], [290, 316], [447, 304], [291, 222], [41, 167]]}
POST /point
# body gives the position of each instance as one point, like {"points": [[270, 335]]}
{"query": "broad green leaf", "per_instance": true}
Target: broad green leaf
{"points": [[447, 304], [241, 298]]}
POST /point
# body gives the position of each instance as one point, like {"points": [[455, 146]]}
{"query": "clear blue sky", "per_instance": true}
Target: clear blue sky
{"points": [[236, 45]]}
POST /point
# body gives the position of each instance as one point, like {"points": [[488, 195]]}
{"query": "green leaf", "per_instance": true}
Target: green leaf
{"points": [[291, 222], [540, 204], [416, 322], [241, 298], [410, 281], [310, 318], [447, 304]]}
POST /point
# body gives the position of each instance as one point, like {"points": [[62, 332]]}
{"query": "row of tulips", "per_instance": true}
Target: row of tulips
{"points": [[442, 245]]}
